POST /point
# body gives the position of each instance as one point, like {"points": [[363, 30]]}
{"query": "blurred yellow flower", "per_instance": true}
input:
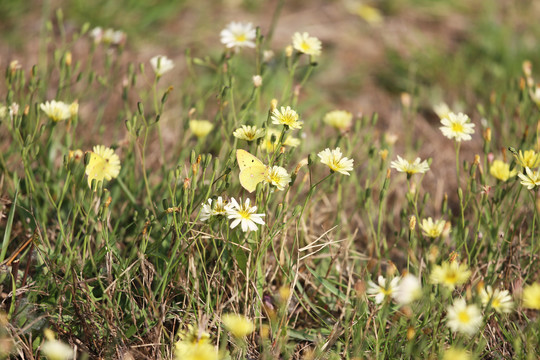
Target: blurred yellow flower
{"points": [[249, 133], [194, 344], [272, 137], [339, 119], [103, 164], [75, 155], [56, 110], [238, 325], [306, 44], [528, 159], [287, 117], [200, 128], [531, 296], [457, 354], [450, 274], [74, 108], [501, 170], [369, 13], [432, 229], [335, 161], [278, 176]]}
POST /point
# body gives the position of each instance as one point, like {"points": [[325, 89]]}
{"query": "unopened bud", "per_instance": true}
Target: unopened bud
{"points": [[412, 223], [406, 100], [383, 154], [289, 51], [410, 333], [68, 58], [268, 55], [273, 104], [527, 68], [487, 134], [257, 80]]}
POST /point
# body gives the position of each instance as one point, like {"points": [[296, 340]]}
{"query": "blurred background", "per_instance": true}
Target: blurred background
{"points": [[377, 55]]}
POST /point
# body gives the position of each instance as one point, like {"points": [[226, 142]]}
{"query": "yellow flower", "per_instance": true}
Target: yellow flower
{"points": [[75, 155], [272, 137], [56, 110], [248, 133], [198, 351], [287, 117], [103, 164], [457, 127], [339, 119], [528, 159], [501, 170], [457, 354], [432, 229], [531, 296], [369, 13], [306, 44], [238, 325], [464, 318], [200, 128], [501, 301], [531, 179], [450, 274], [278, 176], [194, 344], [335, 161]]}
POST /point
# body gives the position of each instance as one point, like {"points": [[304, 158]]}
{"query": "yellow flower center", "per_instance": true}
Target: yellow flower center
{"points": [[457, 127], [386, 292], [244, 213], [305, 46], [464, 317], [495, 303], [451, 277], [240, 37]]}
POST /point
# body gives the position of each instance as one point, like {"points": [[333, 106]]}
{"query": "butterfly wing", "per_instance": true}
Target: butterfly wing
{"points": [[251, 176], [95, 168], [246, 160], [252, 170]]}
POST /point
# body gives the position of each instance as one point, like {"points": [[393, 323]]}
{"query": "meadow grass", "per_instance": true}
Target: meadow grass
{"points": [[119, 205]]}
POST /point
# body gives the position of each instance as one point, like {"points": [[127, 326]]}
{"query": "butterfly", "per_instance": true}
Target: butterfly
{"points": [[252, 170]]}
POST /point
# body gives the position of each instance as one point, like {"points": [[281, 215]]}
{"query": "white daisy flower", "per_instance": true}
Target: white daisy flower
{"points": [[237, 35], [245, 215], [382, 291]]}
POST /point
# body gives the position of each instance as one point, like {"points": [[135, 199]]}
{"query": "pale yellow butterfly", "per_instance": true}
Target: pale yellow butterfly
{"points": [[252, 170]]}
